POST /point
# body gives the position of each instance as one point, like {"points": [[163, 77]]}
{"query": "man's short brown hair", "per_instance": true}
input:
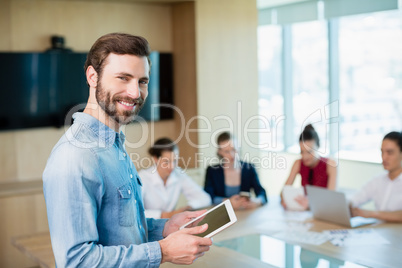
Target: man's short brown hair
{"points": [[117, 43]]}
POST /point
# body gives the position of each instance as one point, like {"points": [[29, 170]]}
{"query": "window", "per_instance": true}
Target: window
{"points": [[365, 75], [310, 79], [370, 57], [270, 88]]}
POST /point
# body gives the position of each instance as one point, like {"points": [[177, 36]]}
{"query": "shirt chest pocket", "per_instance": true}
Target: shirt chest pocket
{"points": [[127, 205]]}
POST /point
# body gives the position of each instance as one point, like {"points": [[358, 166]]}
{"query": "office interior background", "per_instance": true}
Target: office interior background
{"points": [[268, 67]]}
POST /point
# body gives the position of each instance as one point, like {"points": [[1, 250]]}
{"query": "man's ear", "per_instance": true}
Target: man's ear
{"points": [[92, 76]]}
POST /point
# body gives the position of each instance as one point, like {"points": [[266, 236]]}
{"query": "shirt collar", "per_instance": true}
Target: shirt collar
{"points": [[104, 132], [157, 180]]}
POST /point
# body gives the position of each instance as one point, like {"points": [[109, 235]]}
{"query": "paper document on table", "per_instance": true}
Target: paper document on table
{"points": [[355, 237], [289, 194], [306, 237]]}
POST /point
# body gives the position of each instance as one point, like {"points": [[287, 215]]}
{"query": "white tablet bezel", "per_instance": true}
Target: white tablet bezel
{"points": [[230, 211]]}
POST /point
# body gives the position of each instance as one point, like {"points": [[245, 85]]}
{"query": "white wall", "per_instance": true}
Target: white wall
{"points": [[227, 74]]}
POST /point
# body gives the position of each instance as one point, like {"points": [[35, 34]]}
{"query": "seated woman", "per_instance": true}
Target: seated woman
{"points": [[385, 190], [314, 170], [232, 176], [164, 182]]}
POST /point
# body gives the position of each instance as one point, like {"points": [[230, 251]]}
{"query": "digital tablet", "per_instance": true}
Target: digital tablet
{"points": [[289, 194], [218, 218]]}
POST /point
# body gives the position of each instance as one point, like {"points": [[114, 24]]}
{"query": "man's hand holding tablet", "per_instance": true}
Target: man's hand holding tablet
{"points": [[195, 233], [182, 246], [218, 218]]}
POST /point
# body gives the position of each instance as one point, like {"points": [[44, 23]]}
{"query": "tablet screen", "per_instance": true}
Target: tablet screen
{"points": [[215, 219]]}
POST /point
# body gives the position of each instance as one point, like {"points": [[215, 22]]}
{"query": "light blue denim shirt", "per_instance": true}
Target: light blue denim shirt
{"points": [[94, 204]]}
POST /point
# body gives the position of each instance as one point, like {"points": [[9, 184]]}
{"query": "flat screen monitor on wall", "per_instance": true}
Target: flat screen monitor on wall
{"points": [[43, 89], [159, 104]]}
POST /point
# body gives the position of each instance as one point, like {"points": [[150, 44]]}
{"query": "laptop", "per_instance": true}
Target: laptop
{"points": [[332, 206]]}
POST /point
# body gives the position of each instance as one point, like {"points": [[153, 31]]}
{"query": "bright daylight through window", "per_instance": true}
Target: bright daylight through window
{"points": [[367, 62], [270, 88], [370, 50]]}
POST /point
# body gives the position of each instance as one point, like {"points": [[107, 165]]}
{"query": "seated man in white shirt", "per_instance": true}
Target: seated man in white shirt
{"points": [[385, 190], [164, 182]]}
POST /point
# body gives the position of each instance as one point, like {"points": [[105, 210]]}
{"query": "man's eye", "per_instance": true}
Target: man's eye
{"points": [[123, 78], [144, 82]]}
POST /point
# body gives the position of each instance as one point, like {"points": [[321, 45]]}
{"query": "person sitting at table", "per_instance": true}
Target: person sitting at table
{"points": [[164, 182], [385, 189], [231, 177], [314, 169]]}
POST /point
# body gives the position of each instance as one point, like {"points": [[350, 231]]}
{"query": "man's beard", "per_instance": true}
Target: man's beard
{"points": [[109, 105]]}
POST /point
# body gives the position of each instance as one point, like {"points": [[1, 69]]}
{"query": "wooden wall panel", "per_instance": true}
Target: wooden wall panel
{"points": [[33, 148], [185, 82], [26, 25], [81, 22], [21, 215], [8, 157], [5, 27]]}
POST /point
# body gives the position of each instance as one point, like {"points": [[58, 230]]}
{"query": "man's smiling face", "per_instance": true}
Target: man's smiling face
{"points": [[122, 86]]}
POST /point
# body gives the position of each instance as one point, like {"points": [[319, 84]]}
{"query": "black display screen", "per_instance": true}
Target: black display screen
{"points": [[215, 219], [45, 89], [38, 89]]}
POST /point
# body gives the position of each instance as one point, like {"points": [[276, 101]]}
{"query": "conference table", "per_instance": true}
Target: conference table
{"points": [[261, 238], [256, 240]]}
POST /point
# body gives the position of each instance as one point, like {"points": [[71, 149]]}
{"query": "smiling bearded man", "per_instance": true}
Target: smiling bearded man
{"points": [[92, 190], [109, 103]]}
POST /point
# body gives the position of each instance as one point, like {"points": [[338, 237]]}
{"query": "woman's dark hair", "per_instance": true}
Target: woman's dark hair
{"points": [[396, 137], [309, 134], [162, 145], [224, 136]]}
